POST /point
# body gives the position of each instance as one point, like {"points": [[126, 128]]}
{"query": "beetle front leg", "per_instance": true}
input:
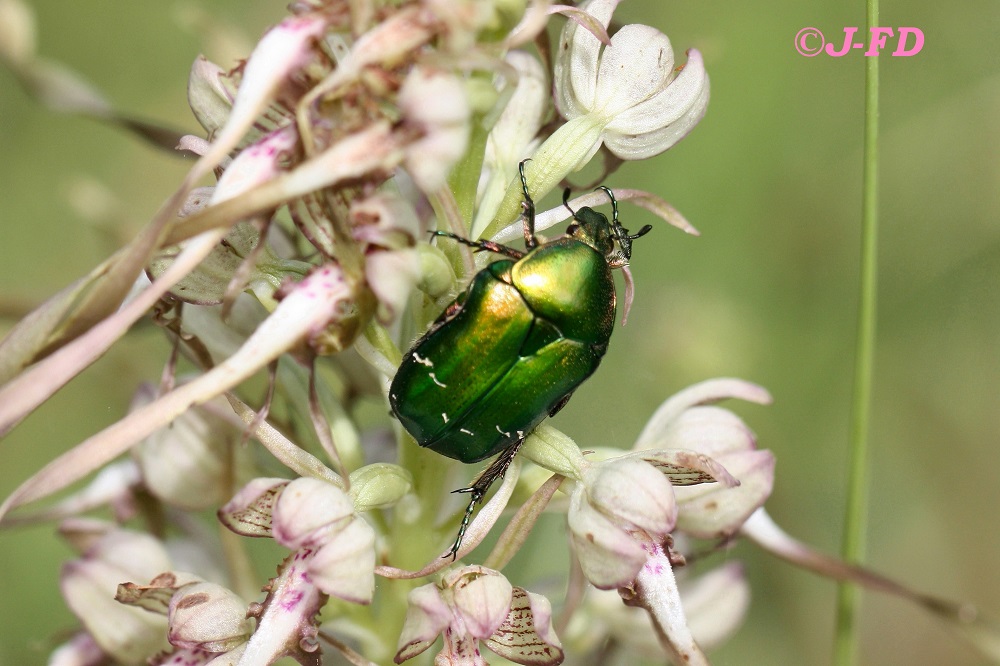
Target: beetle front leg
{"points": [[482, 245], [480, 487], [528, 205]]}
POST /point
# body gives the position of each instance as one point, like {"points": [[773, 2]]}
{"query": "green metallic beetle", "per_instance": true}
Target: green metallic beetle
{"points": [[511, 350]]}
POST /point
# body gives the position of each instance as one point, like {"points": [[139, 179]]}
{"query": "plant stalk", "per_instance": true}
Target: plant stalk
{"points": [[856, 510]]}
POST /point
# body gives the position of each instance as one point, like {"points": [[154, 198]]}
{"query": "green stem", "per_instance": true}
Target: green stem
{"points": [[855, 519], [416, 537]]}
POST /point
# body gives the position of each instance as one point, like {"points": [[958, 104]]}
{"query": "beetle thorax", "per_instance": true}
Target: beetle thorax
{"points": [[593, 228], [568, 283]]}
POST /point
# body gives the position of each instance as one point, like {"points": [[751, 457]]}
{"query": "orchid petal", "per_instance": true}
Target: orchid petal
{"points": [[526, 636], [635, 492], [686, 91], [427, 615], [344, 566], [705, 392], [609, 556], [483, 598], [713, 511], [305, 510], [635, 67]]}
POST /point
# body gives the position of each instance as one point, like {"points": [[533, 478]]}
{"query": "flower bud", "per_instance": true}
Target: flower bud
{"points": [[551, 449], [480, 595], [210, 94], [208, 617], [437, 277], [633, 492], [188, 463], [307, 509], [379, 486], [474, 603]]}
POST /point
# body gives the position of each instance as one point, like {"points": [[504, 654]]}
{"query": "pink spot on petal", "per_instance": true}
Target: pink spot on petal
{"points": [[291, 601]]}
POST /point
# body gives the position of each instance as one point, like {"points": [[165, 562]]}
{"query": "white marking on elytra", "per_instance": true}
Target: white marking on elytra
{"points": [[520, 434], [467, 432], [505, 434], [444, 416], [423, 361], [431, 375]]}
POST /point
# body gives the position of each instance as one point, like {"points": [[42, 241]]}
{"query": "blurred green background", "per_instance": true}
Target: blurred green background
{"points": [[771, 177]]}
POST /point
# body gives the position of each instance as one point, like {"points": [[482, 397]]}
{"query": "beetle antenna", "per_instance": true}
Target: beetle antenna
{"points": [[642, 232]]}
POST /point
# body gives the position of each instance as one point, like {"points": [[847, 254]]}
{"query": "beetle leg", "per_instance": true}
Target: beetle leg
{"points": [[482, 245], [559, 405], [477, 497], [528, 205], [480, 487]]}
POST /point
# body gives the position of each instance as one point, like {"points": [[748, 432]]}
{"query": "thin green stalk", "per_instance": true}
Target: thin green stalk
{"points": [[856, 512]]}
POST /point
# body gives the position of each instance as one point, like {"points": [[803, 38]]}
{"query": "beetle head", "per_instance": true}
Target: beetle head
{"points": [[594, 229]]}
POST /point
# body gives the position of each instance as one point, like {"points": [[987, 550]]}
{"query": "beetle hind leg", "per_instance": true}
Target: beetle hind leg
{"points": [[480, 486]]}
